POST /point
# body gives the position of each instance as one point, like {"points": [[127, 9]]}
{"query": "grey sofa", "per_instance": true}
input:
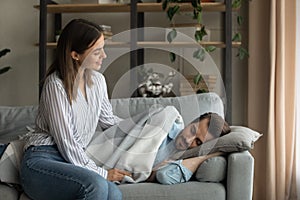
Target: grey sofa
{"points": [[229, 177]]}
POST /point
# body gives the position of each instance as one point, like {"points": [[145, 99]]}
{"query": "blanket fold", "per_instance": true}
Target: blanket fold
{"points": [[132, 145]]}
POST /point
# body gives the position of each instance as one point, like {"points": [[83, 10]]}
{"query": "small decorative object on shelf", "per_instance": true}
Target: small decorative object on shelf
{"points": [[107, 32], [153, 86], [57, 34]]}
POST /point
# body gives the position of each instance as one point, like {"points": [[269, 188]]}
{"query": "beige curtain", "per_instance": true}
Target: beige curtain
{"points": [[271, 97]]}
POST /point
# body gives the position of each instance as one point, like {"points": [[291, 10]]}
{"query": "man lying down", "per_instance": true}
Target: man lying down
{"points": [[150, 145]]}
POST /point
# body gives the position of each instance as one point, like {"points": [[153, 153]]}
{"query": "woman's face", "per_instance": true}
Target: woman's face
{"points": [[92, 58], [193, 135]]}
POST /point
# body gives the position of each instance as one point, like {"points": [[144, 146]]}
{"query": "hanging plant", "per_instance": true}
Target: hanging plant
{"points": [[172, 7], [237, 37]]}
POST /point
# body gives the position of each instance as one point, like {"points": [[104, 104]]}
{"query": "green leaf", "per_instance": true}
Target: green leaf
{"points": [[165, 4], [237, 37], [199, 18], [242, 53], [240, 20], [236, 3], [4, 69], [4, 52], [199, 34], [171, 35], [197, 78], [210, 48], [172, 11], [172, 56], [194, 3], [201, 91], [199, 54]]}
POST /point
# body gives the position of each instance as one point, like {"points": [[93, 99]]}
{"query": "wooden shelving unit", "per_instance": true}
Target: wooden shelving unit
{"points": [[141, 7], [159, 44], [137, 11]]}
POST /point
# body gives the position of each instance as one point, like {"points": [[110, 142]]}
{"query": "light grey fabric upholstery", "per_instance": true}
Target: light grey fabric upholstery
{"points": [[188, 191], [212, 170], [13, 121], [240, 172], [237, 185], [190, 107]]}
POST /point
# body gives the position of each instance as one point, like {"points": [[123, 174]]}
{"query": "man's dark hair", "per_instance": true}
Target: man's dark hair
{"points": [[217, 126]]}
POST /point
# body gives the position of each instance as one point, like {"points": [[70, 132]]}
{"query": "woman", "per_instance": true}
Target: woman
{"points": [[73, 102]]}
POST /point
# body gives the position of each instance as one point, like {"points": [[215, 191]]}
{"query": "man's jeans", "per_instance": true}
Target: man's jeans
{"points": [[46, 175]]}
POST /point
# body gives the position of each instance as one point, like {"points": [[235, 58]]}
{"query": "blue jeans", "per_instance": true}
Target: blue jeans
{"points": [[46, 175]]}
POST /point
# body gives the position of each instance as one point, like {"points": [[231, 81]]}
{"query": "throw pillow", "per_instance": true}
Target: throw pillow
{"points": [[239, 139]]}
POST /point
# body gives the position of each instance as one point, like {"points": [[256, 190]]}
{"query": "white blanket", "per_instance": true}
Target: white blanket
{"points": [[132, 145]]}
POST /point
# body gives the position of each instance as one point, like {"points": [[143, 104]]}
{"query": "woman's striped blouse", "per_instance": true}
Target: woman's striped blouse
{"points": [[71, 127]]}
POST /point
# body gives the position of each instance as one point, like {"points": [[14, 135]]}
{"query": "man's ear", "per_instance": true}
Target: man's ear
{"points": [[75, 55]]}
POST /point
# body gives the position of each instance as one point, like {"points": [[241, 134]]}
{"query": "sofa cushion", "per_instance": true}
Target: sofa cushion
{"points": [[190, 107], [239, 139], [13, 121], [212, 170], [189, 191]]}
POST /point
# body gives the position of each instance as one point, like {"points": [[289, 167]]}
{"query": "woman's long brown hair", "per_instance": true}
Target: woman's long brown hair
{"points": [[78, 35]]}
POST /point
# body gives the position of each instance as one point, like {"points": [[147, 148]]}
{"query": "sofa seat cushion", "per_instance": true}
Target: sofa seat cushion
{"points": [[189, 190]]}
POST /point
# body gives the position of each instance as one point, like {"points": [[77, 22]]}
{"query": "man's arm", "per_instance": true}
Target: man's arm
{"points": [[193, 163], [178, 172]]}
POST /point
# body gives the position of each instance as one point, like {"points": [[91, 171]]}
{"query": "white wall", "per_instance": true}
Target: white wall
{"points": [[19, 31]]}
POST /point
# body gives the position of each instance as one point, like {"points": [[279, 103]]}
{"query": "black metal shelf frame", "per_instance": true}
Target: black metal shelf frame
{"points": [[137, 56]]}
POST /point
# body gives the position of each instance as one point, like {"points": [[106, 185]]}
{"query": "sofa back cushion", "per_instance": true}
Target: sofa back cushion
{"points": [[13, 121], [190, 107]]}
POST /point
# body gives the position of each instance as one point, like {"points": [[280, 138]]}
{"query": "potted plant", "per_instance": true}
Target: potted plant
{"points": [[6, 68], [155, 84]]}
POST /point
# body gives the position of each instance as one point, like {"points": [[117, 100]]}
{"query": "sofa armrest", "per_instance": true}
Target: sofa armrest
{"points": [[240, 174]]}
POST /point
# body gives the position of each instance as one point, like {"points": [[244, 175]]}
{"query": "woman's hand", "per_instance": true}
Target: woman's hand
{"points": [[117, 174]]}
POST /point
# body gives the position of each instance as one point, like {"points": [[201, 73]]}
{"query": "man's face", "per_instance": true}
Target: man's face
{"points": [[193, 135]]}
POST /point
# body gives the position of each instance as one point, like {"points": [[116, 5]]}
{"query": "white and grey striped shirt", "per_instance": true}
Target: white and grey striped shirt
{"points": [[71, 127]]}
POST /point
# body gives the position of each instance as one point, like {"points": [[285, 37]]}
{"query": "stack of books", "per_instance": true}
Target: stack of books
{"points": [[188, 87]]}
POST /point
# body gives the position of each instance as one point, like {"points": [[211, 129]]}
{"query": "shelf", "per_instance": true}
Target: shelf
{"points": [[137, 20], [115, 7], [152, 44]]}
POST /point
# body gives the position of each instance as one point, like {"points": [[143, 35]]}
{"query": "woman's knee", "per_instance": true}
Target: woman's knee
{"points": [[114, 193]]}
